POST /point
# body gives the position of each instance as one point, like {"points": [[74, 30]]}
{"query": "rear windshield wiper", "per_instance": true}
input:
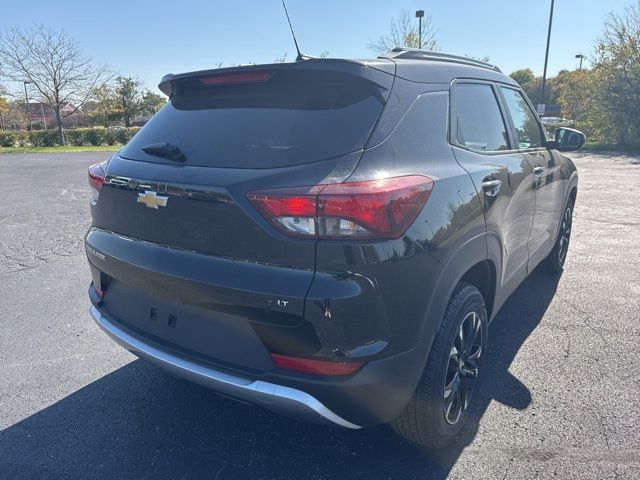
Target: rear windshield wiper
{"points": [[165, 150]]}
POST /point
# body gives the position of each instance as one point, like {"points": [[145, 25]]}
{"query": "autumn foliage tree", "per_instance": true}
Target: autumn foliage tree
{"points": [[602, 100], [617, 69]]}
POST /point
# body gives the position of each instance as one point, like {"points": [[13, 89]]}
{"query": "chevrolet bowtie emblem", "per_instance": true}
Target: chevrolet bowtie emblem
{"points": [[152, 200]]}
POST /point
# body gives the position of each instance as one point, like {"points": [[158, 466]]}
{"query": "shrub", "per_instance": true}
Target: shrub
{"points": [[17, 138], [93, 136], [111, 137], [43, 138], [73, 137], [81, 137], [99, 136]]}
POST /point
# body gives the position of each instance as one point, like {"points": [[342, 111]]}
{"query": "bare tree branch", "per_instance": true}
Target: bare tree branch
{"points": [[403, 32], [51, 61]]}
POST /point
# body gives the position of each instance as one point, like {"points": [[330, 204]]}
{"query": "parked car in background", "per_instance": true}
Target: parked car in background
{"points": [[550, 120], [330, 238]]}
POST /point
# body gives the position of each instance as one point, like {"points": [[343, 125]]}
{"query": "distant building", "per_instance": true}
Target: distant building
{"points": [[42, 116]]}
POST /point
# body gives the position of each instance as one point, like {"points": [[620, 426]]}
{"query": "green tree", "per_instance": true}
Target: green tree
{"points": [[129, 93], [583, 107], [4, 109], [4, 106], [151, 103], [103, 109], [13, 114], [531, 85], [617, 66]]}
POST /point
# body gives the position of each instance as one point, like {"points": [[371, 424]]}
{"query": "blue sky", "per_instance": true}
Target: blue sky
{"points": [[148, 39]]}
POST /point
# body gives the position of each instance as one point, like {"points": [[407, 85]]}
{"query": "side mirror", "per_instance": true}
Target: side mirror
{"points": [[568, 139]]}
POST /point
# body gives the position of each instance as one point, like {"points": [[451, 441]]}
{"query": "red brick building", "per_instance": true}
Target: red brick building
{"points": [[42, 116]]}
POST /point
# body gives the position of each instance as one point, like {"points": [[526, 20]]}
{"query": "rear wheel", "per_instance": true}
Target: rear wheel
{"points": [[554, 263], [443, 400]]}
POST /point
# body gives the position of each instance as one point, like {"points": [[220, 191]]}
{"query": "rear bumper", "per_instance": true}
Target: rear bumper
{"points": [[228, 318], [281, 399]]}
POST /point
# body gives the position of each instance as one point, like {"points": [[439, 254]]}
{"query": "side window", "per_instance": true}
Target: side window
{"points": [[524, 120], [479, 123]]}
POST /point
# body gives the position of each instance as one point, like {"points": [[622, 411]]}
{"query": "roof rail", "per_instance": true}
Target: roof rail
{"points": [[407, 53]]}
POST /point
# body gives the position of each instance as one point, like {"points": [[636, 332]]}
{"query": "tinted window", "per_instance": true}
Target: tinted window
{"points": [[294, 117], [524, 120], [479, 123]]}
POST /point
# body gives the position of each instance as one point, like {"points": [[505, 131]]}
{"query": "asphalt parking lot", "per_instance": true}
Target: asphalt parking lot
{"points": [[560, 396]]}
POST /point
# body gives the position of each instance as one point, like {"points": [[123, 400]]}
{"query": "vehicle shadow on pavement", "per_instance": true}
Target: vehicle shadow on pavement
{"points": [[140, 423]]}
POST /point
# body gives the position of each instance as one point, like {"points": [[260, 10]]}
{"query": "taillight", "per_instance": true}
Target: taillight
{"points": [[374, 209], [315, 367], [96, 179]]}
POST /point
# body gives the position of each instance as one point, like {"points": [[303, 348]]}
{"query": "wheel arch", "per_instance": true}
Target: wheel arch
{"points": [[572, 188], [478, 262], [482, 275]]}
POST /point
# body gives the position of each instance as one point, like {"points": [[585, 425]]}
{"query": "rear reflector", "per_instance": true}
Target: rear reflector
{"points": [[374, 209], [255, 76], [97, 290], [96, 179], [315, 367]]}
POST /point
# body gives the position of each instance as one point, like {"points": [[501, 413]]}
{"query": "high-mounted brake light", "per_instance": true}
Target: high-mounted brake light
{"points": [[255, 76], [96, 179], [374, 209], [315, 367]]}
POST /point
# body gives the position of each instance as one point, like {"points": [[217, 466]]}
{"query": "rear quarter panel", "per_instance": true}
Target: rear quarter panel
{"points": [[378, 298]]}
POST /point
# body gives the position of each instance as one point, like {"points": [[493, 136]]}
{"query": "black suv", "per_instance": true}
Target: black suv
{"points": [[330, 238]]}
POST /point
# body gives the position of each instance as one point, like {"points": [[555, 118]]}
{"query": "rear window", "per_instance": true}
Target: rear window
{"points": [[479, 123], [294, 117]]}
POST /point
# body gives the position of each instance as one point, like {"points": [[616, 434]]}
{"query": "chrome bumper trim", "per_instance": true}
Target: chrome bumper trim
{"points": [[285, 400]]}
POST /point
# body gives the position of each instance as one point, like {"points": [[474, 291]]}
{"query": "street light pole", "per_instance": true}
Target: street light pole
{"points": [[419, 15], [26, 97], [44, 120], [581, 57], [546, 56]]}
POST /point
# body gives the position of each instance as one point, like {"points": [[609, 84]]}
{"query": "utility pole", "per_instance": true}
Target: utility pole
{"points": [[26, 97], [546, 56], [581, 57], [44, 120], [419, 15]]}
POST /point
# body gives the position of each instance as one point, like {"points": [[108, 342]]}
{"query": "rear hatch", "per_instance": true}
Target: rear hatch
{"points": [[181, 182], [293, 126]]}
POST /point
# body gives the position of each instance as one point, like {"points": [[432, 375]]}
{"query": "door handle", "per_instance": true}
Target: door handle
{"points": [[491, 187], [538, 171]]}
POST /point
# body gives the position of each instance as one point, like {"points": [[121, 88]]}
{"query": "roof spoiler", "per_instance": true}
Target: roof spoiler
{"points": [[378, 71]]}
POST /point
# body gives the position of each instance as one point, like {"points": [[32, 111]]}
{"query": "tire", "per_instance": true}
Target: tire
{"points": [[554, 263], [430, 419]]}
